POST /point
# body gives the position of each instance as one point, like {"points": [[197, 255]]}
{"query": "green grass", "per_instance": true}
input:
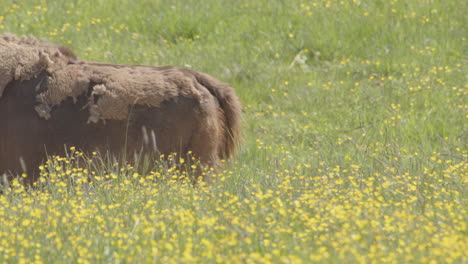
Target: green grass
{"points": [[355, 128]]}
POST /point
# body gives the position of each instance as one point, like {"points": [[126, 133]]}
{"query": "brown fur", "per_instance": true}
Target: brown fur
{"points": [[49, 99]]}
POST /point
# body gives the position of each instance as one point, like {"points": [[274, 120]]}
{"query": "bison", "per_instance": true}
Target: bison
{"points": [[50, 99]]}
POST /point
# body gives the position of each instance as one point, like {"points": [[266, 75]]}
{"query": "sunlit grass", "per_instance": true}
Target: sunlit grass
{"points": [[355, 136]]}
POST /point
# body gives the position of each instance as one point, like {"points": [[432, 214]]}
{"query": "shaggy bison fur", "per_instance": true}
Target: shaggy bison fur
{"points": [[49, 99]]}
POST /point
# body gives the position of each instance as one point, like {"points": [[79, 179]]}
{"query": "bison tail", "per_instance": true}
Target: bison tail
{"points": [[231, 108]]}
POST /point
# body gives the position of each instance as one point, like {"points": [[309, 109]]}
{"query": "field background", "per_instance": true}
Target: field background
{"points": [[355, 136]]}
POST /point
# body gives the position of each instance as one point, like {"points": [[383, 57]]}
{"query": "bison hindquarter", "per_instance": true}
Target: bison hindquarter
{"points": [[57, 101]]}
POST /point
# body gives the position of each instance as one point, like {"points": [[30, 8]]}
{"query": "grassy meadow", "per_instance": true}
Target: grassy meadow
{"points": [[355, 136]]}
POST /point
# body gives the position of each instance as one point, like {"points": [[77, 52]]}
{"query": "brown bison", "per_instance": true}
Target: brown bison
{"points": [[49, 99]]}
